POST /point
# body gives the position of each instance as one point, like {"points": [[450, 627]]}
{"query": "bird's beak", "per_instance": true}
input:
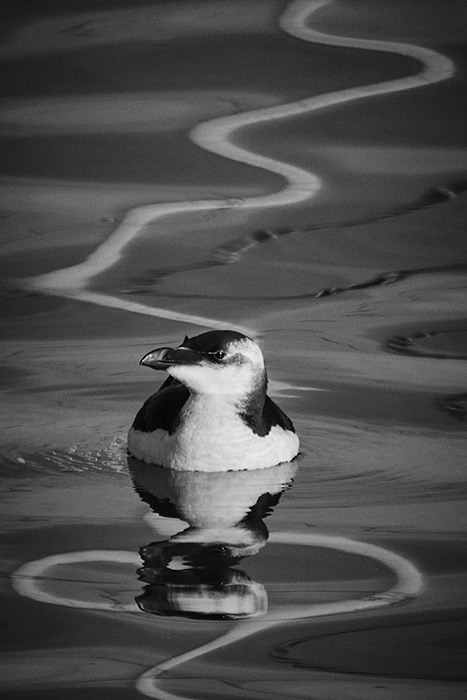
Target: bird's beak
{"points": [[165, 357]]}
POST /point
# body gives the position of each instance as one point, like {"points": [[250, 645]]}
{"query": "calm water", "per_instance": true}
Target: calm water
{"points": [[341, 575]]}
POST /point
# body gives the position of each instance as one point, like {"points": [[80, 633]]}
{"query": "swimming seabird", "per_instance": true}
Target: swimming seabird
{"points": [[212, 413]]}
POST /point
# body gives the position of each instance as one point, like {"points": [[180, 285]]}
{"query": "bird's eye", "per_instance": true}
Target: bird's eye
{"points": [[219, 355]]}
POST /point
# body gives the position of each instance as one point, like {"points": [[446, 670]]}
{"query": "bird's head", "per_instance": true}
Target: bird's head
{"points": [[216, 362]]}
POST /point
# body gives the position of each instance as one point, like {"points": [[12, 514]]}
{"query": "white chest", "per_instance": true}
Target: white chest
{"points": [[213, 437]]}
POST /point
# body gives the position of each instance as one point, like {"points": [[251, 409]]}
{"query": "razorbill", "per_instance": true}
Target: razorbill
{"points": [[212, 413]]}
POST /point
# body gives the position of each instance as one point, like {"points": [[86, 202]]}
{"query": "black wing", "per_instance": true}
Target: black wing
{"points": [[274, 415], [262, 419], [162, 409]]}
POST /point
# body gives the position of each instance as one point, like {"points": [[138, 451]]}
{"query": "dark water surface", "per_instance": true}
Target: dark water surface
{"points": [[342, 575]]}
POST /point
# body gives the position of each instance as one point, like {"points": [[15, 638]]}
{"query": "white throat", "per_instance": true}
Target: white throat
{"points": [[241, 373]]}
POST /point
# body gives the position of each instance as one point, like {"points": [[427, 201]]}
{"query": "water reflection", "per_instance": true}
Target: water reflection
{"points": [[198, 580], [193, 573]]}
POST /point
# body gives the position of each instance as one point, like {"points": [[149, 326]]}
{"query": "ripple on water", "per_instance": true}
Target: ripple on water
{"points": [[359, 465], [318, 485], [443, 341], [424, 645], [322, 488], [108, 457], [455, 405]]}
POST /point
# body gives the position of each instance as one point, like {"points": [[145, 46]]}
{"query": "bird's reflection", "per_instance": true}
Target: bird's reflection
{"points": [[193, 573]]}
